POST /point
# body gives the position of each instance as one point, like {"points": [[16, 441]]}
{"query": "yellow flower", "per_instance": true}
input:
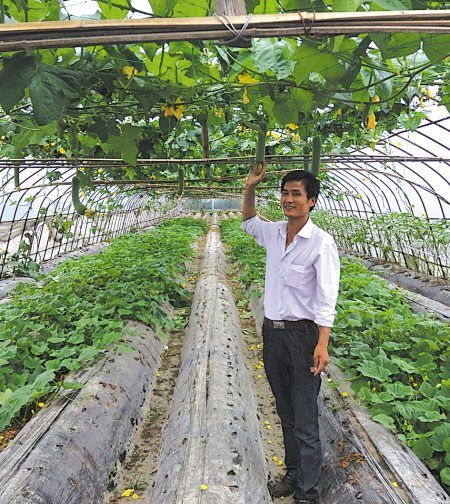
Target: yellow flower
{"points": [[275, 135], [329, 380], [371, 121], [218, 112], [41, 405], [135, 496], [394, 484], [376, 99], [374, 389], [127, 492], [295, 136], [260, 376], [245, 98], [280, 462], [173, 109], [203, 487], [344, 394], [62, 150], [245, 79], [292, 127], [275, 458], [89, 212], [129, 71], [415, 385]]}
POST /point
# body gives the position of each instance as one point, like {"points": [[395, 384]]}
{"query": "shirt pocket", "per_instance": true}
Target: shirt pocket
{"points": [[296, 276]]}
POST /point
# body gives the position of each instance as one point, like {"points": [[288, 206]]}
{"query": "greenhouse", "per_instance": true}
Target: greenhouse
{"points": [[134, 354]]}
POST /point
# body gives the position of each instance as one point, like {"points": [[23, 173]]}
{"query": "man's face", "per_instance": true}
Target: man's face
{"points": [[294, 200]]}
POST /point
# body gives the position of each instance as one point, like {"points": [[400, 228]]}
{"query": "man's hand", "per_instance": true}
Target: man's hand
{"points": [[254, 178], [321, 359]]}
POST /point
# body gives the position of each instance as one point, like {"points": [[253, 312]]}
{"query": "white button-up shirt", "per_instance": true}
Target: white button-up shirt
{"points": [[302, 281]]}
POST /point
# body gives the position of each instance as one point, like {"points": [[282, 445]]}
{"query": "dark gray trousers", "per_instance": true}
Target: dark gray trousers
{"points": [[288, 356]]}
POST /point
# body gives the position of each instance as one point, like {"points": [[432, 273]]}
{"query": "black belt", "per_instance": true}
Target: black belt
{"points": [[288, 324]]}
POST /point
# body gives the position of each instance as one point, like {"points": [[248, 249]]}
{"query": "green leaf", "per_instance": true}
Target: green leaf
{"points": [[440, 434], [311, 60], [119, 10], [399, 390], [431, 416], [186, 8], [367, 395], [126, 143], [51, 89], [373, 370], [427, 389], [34, 135], [397, 45], [422, 448], [274, 55], [404, 365], [72, 385], [385, 420], [304, 100], [14, 78], [284, 112], [436, 47], [394, 4], [345, 5], [445, 475], [162, 7], [5, 396]]}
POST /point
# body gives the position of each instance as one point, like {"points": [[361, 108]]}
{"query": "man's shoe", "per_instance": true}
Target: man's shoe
{"points": [[285, 486]]}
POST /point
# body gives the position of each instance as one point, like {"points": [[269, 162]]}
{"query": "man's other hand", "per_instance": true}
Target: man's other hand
{"points": [[321, 359]]}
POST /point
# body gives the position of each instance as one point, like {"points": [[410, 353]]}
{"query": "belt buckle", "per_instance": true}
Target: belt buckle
{"points": [[278, 324]]}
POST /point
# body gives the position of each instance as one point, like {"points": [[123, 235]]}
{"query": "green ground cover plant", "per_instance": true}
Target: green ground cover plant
{"points": [[398, 361], [80, 309]]}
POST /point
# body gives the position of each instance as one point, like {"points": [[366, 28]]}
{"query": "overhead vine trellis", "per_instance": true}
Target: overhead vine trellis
{"points": [[138, 92], [359, 186]]}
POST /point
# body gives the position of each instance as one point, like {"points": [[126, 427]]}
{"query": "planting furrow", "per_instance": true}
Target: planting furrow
{"points": [[211, 450], [66, 453]]}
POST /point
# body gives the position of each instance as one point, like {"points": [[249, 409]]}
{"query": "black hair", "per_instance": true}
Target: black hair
{"points": [[311, 183]]}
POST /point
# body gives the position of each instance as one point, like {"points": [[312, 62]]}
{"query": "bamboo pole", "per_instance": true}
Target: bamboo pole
{"points": [[82, 32]]}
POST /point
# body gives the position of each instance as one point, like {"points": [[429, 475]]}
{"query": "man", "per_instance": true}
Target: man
{"points": [[301, 288]]}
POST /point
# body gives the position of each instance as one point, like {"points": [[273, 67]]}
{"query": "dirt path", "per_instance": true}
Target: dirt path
{"points": [[136, 472], [269, 424]]}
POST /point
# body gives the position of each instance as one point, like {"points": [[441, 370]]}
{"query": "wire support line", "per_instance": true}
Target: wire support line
{"points": [[238, 34], [330, 158]]}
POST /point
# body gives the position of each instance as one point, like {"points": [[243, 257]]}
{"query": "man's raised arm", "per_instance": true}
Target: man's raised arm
{"points": [[249, 206]]}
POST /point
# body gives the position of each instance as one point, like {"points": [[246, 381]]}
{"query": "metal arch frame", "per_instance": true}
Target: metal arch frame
{"points": [[116, 222], [379, 179], [359, 247]]}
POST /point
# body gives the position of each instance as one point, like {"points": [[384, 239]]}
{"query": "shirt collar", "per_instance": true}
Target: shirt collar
{"points": [[305, 232]]}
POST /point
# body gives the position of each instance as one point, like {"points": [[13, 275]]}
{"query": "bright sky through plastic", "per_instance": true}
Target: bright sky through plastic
{"points": [[90, 8]]}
